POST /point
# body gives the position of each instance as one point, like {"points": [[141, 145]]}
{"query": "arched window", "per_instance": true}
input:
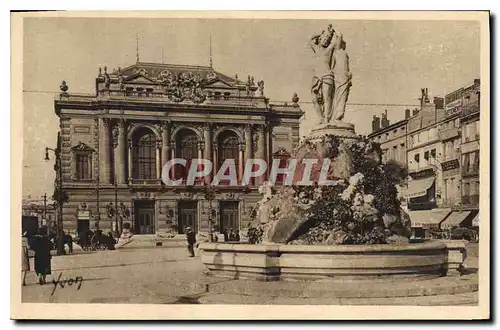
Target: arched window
{"points": [[228, 148], [284, 158], [186, 148], [144, 155]]}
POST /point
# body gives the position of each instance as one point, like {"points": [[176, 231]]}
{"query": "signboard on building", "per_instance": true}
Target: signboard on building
{"points": [[83, 215], [453, 108], [450, 165]]}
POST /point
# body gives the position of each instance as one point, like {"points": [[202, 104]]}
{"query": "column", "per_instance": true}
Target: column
{"points": [[261, 151], [215, 160], [120, 146], [248, 145], [207, 135], [104, 151], [201, 146], [240, 162], [158, 159], [172, 148], [268, 133], [130, 164], [165, 150], [248, 142]]}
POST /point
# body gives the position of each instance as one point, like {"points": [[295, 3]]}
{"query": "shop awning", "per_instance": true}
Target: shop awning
{"points": [[454, 219], [417, 188], [428, 218], [475, 221]]}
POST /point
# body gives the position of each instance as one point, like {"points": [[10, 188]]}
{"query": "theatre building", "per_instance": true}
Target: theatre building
{"points": [[115, 142]]}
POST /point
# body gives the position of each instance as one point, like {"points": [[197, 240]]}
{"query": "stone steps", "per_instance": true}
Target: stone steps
{"points": [[469, 298], [153, 241], [337, 289]]}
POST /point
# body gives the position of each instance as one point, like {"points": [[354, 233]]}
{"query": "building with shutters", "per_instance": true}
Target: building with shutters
{"points": [[115, 142], [442, 156]]}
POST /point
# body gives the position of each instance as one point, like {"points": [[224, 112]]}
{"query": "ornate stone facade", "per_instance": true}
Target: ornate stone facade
{"points": [[146, 114]]}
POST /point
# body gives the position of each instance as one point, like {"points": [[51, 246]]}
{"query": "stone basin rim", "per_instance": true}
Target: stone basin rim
{"points": [[433, 245]]}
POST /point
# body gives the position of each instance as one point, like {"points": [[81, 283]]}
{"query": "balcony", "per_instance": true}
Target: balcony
{"points": [[470, 201], [160, 96], [472, 108], [144, 182], [473, 170], [449, 133]]}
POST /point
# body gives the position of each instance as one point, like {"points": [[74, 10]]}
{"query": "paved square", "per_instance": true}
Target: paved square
{"points": [[169, 276]]}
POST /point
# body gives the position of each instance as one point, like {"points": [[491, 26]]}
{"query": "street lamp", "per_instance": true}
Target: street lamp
{"points": [[58, 196]]}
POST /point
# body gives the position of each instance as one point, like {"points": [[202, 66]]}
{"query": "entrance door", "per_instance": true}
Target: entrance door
{"points": [[229, 215], [188, 216], [144, 217], [82, 226]]}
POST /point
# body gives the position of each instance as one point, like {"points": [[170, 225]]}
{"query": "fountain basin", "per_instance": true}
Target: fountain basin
{"points": [[272, 262]]}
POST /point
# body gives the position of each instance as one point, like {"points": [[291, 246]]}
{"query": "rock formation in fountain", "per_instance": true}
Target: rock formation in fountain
{"points": [[360, 206]]}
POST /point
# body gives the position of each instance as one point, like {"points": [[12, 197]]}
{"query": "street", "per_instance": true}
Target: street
{"points": [[154, 275]]}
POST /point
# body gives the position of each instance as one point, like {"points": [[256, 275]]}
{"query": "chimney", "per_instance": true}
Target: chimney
{"points": [[477, 81], [407, 113], [424, 97], [385, 121], [375, 123], [439, 103]]}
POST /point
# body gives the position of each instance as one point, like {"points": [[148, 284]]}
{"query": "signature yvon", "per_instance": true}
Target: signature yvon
{"points": [[77, 281]]}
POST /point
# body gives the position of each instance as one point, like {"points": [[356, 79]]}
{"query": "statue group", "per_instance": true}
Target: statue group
{"points": [[332, 77]]}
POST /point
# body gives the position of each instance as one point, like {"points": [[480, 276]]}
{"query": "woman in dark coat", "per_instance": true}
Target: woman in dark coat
{"points": [[42, 247]]}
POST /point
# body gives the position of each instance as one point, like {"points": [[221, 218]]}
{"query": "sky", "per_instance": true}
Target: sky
{"points": [[390, 61]]}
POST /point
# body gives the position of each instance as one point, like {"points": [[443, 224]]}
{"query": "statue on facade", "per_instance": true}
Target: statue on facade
{"points": [[114, 135], [261, 87]]}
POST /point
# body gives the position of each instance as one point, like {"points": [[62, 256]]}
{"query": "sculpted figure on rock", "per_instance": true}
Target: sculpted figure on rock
{"points": [[331, 77]]}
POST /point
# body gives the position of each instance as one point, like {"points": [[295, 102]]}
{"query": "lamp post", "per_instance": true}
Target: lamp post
{"points": [[59, 195], [45, 206]]}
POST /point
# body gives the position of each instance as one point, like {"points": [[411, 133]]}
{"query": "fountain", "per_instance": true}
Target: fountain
{"points": [[349, 223]]}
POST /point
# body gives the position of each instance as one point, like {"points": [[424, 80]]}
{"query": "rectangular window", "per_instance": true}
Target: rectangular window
{"points": [[433, 153], [82, 167], [417, 157], [229, 216], [465, 163], [284, 163], [426, 155], [187, 216], [466, 191], [473, 189], [445, 186], [451, 189]]}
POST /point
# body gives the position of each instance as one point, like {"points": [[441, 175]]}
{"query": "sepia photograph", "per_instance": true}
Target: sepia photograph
{"points": [[197, 165]]}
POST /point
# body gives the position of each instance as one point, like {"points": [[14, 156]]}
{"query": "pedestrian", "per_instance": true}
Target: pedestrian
{"points": [[68, 240], [232, 235], [226, 235], [236, 235], [25, 257], [42, 247], [110, 241], [191, 240]]}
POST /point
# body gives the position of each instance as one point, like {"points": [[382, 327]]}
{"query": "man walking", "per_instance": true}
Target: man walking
{"points": [[191, 239]]}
